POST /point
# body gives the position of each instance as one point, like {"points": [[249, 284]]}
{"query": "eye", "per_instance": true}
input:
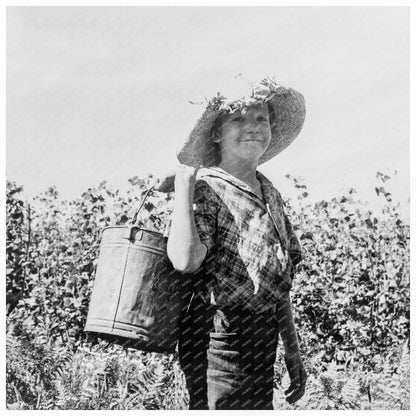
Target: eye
{"points": [[238, 118], [262, 118]]}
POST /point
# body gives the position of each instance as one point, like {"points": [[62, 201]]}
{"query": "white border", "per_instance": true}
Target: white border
{"points": [[96, 3]]}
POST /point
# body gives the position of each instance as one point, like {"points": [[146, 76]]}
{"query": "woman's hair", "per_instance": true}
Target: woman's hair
{"points": [[215, 133], [216, 130]]}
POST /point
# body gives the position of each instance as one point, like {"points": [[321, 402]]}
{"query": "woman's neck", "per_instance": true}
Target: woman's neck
{"points": [[245, 171]]}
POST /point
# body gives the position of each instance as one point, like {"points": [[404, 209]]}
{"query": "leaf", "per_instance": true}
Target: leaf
{"points": [[31, 301], [350, 391], [67, 302]]}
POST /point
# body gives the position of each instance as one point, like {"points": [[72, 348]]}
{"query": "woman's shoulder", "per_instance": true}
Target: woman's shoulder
{"points": [[270, 188], [209, 179], [207, 189]]}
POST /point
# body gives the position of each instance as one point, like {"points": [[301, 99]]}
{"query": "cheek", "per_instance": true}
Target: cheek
{"points": [[268, 132], [231, 134]]}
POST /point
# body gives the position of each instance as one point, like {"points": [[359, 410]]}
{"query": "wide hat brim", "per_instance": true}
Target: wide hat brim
{"points": [[289, 107]]}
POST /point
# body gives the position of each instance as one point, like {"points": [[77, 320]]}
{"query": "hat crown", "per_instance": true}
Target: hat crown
{"points": [[248, 94]]}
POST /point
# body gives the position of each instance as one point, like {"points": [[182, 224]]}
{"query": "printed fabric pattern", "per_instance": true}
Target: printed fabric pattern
{"points": [[252, 248]]}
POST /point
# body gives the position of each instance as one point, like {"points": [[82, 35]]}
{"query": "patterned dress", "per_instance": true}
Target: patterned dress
{"points": [[229, 335]]}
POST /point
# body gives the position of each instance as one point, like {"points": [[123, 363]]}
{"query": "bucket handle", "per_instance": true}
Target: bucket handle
{"points": [[135, 220]]}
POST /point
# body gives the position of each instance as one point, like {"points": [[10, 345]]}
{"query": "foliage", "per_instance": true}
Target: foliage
{"points": [[63, 251], [260, 92], [352, 288], [17, 243], [33, 366], [120, 379], [331, 386], [350, 297]]}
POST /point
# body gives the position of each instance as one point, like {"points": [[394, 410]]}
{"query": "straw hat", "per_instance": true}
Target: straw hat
{"points": [[289, 109]]}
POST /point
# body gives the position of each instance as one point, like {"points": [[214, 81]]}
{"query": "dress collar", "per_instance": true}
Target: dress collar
{"points": [[266, 185]]}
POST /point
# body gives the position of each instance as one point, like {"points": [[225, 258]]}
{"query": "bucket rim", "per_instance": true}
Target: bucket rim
{"points": [[134, 226]]}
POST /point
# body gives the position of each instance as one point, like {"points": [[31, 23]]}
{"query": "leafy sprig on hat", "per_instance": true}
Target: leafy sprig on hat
{"points": [[261, 92]]}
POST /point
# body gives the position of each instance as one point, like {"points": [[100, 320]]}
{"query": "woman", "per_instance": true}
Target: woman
{"points": [[230, 232]]}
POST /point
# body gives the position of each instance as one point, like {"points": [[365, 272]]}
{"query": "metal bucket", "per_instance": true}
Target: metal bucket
{"points": [[138, 297]]}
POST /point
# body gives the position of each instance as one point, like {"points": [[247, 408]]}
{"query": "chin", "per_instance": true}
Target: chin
{"points": [[251, 157]]}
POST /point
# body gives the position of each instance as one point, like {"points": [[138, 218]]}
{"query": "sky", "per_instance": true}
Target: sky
{"points": [[102, 93]]}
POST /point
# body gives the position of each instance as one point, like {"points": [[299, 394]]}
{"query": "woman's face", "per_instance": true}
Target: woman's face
{"points": [[245, 136]]}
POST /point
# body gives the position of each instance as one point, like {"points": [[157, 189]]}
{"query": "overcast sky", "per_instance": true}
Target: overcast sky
{"points": [[98, 93]]}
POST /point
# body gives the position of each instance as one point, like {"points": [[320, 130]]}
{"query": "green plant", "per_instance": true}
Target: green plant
{"points": [[33, 366], [352, 288], [350, 298], [331, 386], [17, 246]]}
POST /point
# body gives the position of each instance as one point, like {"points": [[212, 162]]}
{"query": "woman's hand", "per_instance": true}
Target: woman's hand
{"points": [[182, 176], [297, 375], [185, 178], [166, 182]]}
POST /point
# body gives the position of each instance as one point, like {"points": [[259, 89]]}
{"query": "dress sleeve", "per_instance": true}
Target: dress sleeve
{"points": [[205, 210], [295, 256], [295, 251]]}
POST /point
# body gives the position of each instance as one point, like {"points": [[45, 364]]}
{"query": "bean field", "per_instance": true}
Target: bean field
{"points": [[351, 301]]}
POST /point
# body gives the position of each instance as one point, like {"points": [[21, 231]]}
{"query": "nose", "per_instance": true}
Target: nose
{"points": [[251, 124]]}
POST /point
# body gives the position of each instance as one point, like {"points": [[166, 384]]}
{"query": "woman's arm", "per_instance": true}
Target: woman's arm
{"points": [[293, 360], [287, 328], [184, 247]]}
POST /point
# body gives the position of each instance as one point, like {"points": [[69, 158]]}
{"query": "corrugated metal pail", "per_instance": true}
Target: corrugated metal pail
{"points": [[138, 298]]}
